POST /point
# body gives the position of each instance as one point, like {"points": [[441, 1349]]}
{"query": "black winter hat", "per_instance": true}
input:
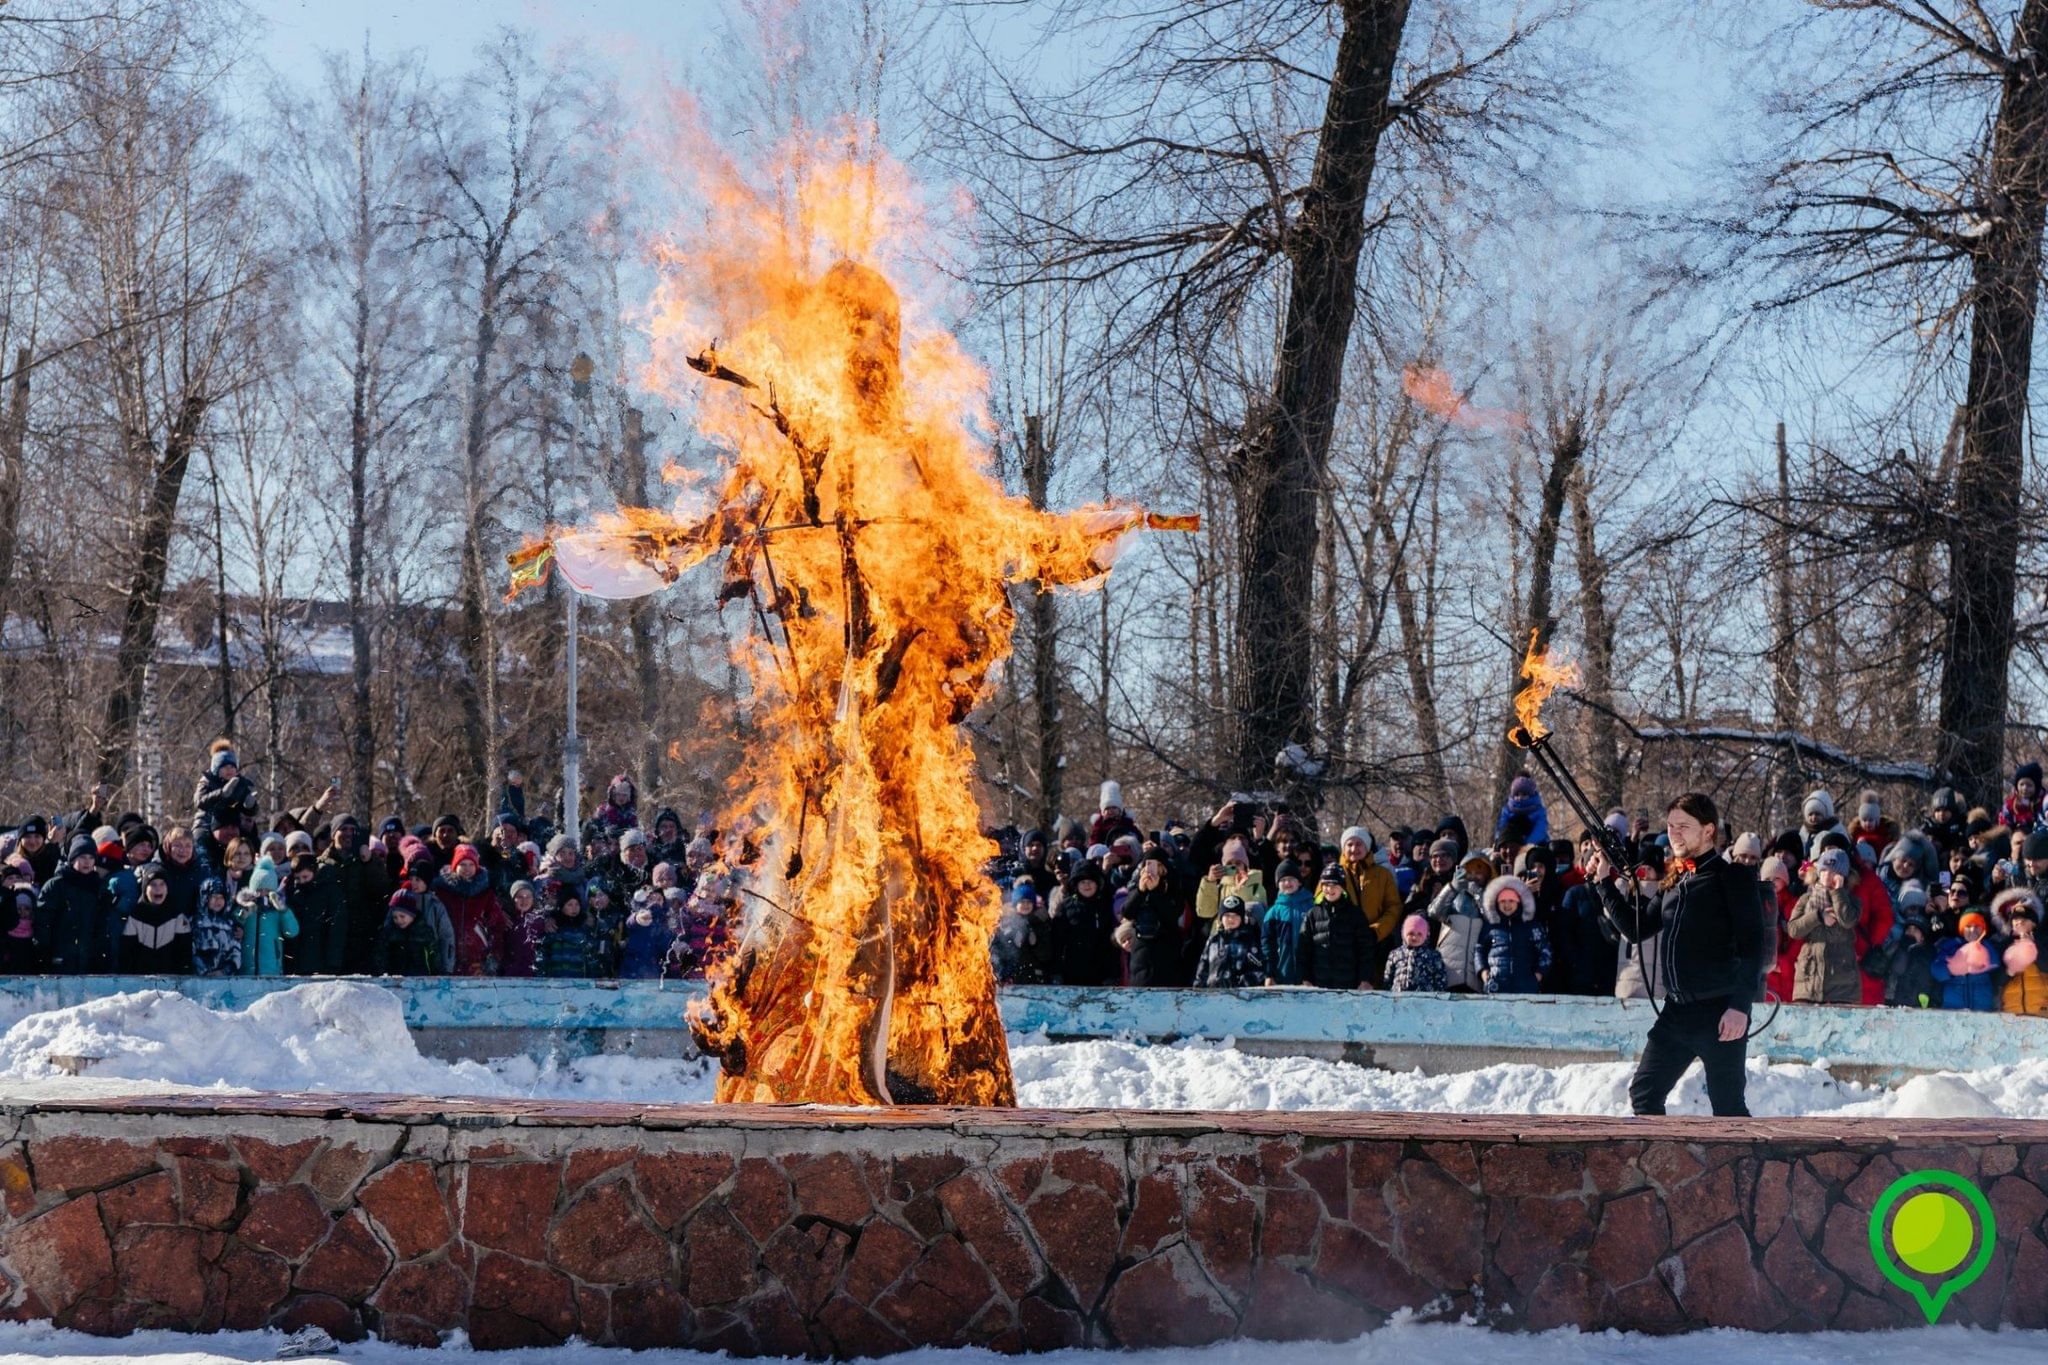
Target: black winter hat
{"points": [[449, 821], [2026, 770], [138, 834], [35, 824], [2035, 846], [1089, 872], [81, 846], [1288, 868], [1332, 873]]}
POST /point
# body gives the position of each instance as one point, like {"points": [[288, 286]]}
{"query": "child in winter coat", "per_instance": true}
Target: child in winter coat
{"points": [[1456, 914], [529, 922], [2026, 985], [1336, 944], [645, 937], [1280, 931], [1017, 950], [1910, 983], [1231, 959], [266, 921], [406, 944], [216, 932], [1826, 972], [1415, 965], [19, 955], [621, 808], [2022, 811], [156, 940], [1963, 967], [1514, 947], [700, 920], [573, 947]]}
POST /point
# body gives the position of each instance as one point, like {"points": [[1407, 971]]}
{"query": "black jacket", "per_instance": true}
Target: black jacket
{"points": [[1154, 917], [1082, 943], [71, 921], [321, 949], [364, 885], [1337, 945], [1709, 927]]}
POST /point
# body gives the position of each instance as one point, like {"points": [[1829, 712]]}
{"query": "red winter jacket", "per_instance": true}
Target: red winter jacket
{"points": [[1779, 981], [1873, 926]]}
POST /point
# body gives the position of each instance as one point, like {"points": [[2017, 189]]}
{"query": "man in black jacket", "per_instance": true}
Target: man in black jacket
{"points": [[1708, 919]]}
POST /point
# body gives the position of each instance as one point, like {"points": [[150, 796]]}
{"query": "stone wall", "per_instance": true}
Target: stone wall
{"points": [[793, 1232]]}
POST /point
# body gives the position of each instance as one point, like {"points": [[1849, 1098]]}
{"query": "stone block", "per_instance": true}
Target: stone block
{"points": [[167, 1266], [409, 1208], [601, 1239], [1167, 1301], [988, 1228], [273, 1163], [1077, 1233], [508, 1206], [68, 1165], [538, 1294], [150, 1199], [60, 1255], [287, 1220], [348, 1265], [673, 1184]]}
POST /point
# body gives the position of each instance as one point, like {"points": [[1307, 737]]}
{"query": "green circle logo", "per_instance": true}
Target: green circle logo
{"points": [[1925, 1225]]}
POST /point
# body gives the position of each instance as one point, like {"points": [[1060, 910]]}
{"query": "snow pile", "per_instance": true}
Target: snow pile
{"points": [[1195, 1074], [349, 1036], [326, 1035]]}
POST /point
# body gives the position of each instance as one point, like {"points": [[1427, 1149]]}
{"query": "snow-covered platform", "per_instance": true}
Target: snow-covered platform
{"points": [[805, 1231], [474, 1017]]}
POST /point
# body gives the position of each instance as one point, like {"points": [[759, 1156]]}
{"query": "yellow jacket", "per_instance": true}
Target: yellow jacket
{"points": [[2025, 992], [1209, 895], [1372, 888]]}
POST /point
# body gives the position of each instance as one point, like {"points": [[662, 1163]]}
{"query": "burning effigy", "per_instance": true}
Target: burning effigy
{"points": [[873, 550]]}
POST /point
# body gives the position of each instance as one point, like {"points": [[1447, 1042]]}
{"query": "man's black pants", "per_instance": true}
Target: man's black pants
{"points": [[1680, 1034]]}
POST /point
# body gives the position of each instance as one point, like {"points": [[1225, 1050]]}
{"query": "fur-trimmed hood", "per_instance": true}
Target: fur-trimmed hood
{"points": [[1488, 904], [2006, 901]]}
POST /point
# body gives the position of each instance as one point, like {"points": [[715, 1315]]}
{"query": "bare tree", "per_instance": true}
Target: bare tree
{"points": [[162, 275], [500, 219], [1918, 185], [349, 157]]}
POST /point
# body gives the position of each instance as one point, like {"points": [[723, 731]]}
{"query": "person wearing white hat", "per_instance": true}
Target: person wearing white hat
{"points": [[1113, 820]]}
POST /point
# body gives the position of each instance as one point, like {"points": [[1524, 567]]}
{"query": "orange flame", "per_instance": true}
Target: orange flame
{"points": [[1433, 388], [1542, 678], [862, 525]]}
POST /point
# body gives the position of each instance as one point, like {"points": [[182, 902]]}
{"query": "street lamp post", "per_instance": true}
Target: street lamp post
{"points": [[580, 370]]}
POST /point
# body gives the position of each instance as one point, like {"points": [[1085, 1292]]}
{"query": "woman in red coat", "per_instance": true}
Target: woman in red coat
{"points": [[1785, 897], [482, 930]]}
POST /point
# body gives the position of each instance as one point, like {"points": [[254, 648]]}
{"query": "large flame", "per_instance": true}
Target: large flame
{"points": [[1541, 677], [872, 550]]}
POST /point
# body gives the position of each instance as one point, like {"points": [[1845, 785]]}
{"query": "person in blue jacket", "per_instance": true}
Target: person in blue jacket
{"points": [[1523, 820], [1964, 966], [1514, 950], [1280, 931]]}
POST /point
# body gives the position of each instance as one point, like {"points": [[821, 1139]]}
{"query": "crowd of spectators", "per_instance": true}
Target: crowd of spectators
{"points": [[1943, 914], [229, 892]]}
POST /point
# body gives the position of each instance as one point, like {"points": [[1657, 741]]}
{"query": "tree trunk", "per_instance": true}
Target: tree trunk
{"points": [[641, 624], [1784, 637], [223, 654], [13, 435], [1429, 730], [362, 742], [1045, 630], [478, 685], [145, 596], [1603, 737], [1280, 474], [1984, 545]]}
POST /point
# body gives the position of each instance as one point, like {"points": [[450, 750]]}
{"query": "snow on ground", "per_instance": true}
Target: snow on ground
{"points": [[347, 1036], [1401, 1343]]}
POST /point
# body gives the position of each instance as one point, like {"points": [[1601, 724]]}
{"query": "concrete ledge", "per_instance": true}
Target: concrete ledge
{"points": [[480, 1017], [764, 1230]]}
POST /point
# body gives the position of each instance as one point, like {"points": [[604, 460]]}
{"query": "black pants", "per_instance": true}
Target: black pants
{"points": [[1682, 1033]]}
